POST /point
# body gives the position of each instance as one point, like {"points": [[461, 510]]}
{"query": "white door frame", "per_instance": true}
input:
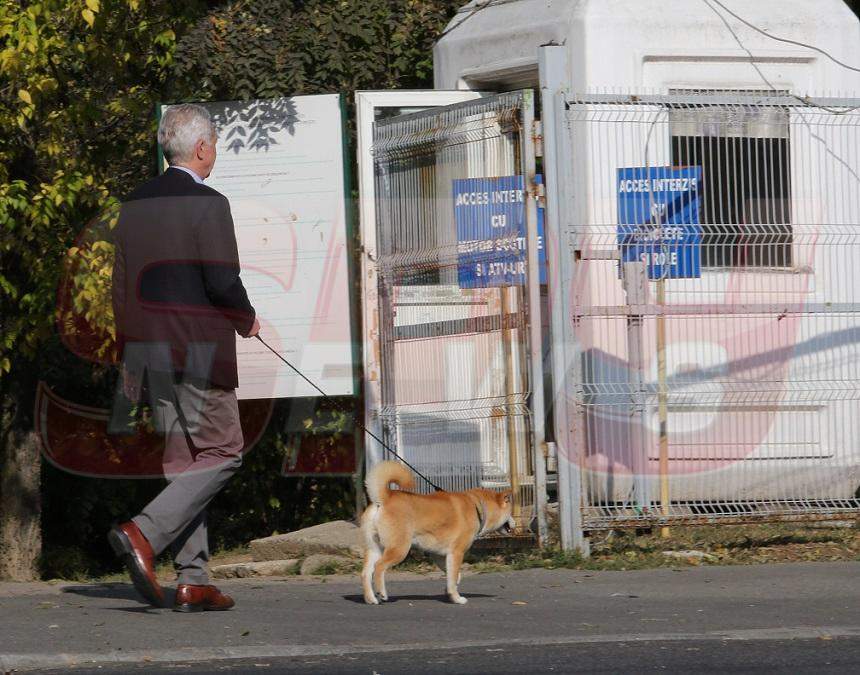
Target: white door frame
{"points": [[366, 105]]}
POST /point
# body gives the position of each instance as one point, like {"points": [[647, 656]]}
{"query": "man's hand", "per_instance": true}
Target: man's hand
{"points": [[255, 329]]}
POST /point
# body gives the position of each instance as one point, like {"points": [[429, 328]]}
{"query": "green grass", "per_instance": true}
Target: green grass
{"points": [[334, 567], [724, 545]]}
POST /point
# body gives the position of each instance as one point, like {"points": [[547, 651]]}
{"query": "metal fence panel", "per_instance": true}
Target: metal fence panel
{"points": [[732, 392], [455, 361]]}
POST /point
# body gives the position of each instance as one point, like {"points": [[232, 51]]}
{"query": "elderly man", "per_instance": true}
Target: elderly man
{"points": [[178, 302]]}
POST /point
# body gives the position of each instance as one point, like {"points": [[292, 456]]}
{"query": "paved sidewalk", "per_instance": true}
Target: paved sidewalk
{"points": [[51, 627]]}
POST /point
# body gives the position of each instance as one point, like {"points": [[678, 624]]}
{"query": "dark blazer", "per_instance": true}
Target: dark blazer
{"points": [[177, 296]]}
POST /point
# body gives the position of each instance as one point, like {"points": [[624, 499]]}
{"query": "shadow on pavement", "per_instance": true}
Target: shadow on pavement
{"points": [[118, 592], [438, 598]]}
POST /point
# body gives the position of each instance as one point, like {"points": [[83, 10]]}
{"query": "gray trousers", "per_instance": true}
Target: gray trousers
{"points": [[203, 449]]}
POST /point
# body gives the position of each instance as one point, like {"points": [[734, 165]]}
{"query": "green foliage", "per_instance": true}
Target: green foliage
{"points": [[80, 79], [267, 48], [79, 82]]}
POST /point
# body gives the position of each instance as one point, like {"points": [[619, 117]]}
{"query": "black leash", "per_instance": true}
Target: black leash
{"points": [[354, 418]]}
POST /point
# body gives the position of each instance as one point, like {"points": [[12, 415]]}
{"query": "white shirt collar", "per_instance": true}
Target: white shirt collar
{"points": [[197, 179]]}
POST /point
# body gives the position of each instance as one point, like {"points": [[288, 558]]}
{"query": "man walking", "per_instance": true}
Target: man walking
{"points": [[178, 302]]}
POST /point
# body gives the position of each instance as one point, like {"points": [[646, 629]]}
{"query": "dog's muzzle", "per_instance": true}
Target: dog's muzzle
{"points": [[508, 526]]}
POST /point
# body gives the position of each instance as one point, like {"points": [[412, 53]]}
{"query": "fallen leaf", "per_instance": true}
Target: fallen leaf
{"points": [[519, 602]]}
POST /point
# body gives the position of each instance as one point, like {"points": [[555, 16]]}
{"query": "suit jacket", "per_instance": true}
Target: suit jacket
{"points": [[178, 299]]}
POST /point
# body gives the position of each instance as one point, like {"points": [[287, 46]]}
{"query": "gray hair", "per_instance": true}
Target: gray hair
{"points": [[180, 129]]}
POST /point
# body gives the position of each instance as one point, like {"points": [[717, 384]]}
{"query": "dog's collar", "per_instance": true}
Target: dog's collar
{"points": [[482, 517]]}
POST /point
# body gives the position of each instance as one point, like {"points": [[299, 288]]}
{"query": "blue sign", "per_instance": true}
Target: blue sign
{"points": [[490, 214], [658, 220]]}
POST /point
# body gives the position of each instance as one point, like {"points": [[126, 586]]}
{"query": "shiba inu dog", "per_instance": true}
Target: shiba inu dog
{"points": [[443, 523]]}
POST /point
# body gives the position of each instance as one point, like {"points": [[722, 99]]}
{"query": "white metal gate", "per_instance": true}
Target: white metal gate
{"points": [[457, 364], [732, 395]]}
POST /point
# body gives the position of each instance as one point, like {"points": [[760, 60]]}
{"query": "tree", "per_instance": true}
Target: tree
{"points": [[266, 48], [78, 82]]}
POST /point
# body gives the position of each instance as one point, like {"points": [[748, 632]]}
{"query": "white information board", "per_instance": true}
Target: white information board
{"points": [[280, 163]]}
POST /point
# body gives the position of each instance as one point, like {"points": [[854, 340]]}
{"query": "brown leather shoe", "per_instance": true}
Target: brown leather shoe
{"points": [[201, 599], [129, 544]]}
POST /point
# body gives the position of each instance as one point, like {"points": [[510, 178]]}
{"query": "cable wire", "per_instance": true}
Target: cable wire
{"points": [[800, 99], [488, 3], [786, 40], [354, 418]]}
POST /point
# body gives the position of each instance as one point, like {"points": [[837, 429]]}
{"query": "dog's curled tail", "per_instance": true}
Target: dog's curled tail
{"points": [[381, 476]]}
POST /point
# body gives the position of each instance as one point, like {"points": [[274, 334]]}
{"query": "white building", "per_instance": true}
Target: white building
{"points": [[763, 402], [653, 44]]}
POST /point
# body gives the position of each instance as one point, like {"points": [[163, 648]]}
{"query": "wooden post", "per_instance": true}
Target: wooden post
{"points": [[662, 405], [507, 296], [635, 281]]}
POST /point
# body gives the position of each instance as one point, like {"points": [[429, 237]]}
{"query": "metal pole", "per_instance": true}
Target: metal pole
{"points": [[568, 416], [636, 287], [529, 165]]}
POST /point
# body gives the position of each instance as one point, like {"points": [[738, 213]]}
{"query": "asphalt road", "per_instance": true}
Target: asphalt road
{"points": [[796, 618], [769, 656]]}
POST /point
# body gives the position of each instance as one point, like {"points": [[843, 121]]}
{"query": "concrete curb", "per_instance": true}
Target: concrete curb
{"points": [[24, 662]]}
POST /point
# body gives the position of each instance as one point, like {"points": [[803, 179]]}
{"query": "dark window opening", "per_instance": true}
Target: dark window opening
{"points": [[746, 183]]}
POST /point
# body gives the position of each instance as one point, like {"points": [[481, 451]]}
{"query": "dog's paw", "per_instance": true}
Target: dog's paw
{"points": [[383, 597], [459, 600], [371, 600]]}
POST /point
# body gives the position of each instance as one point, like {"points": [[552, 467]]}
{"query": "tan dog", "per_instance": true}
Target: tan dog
{"points": [[443, 523]]}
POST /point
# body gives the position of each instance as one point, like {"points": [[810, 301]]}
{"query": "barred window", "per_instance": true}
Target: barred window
{"points": [[745, 196]]}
